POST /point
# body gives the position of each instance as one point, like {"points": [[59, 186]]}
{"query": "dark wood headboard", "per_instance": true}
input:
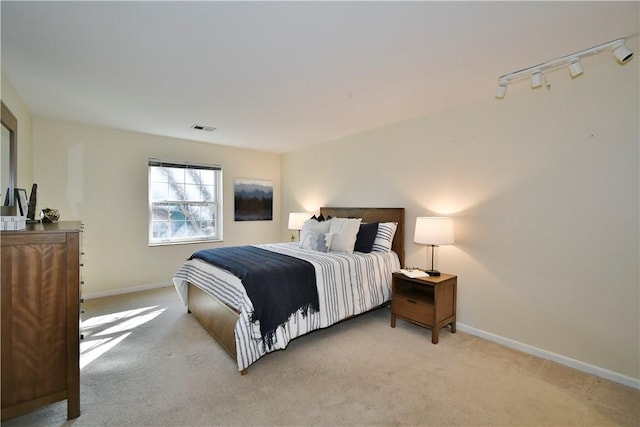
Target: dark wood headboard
{"points": [[375, 215]]}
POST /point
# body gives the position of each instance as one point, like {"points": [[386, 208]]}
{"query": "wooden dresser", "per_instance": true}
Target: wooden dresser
{"points": [[40, 271]]}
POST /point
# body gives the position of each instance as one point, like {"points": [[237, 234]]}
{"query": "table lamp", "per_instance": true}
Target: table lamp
{"points": [[433, 231], [296, 220]]}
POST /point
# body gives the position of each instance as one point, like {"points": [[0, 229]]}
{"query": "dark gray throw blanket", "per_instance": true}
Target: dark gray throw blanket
{"points": [[278, 285]]}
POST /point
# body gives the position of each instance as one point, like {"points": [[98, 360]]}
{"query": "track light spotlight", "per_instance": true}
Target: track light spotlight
{"points": [[501, 92], [575, 68], [621, 52], [536, 79]]}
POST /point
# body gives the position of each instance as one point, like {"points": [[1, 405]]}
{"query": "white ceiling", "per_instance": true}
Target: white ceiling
{"points": [[278, 76]]}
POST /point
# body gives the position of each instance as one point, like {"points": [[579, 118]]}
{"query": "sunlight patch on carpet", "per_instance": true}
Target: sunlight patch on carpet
{"points": [[102, 333]]}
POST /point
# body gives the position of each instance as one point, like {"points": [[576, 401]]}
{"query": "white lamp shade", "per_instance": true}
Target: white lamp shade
{"points": [[297, 219], [434, 231]]}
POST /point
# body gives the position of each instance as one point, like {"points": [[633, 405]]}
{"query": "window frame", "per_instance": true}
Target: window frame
{"points": [[216, 203]]}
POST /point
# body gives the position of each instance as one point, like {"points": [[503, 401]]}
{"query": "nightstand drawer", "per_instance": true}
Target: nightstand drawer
{"points": [[413, 309]]}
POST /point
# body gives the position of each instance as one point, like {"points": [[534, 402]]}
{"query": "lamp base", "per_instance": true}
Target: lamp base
{"points": [[433, 273]]}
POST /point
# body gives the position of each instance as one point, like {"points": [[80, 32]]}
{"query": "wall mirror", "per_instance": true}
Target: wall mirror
{"points": [[8, 161]]}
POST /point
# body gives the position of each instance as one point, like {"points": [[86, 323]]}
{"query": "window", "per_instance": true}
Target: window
{"points": [[185, 202]]}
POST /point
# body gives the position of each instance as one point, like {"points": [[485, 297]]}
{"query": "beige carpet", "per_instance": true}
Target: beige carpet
{"points": [[147, 362]]}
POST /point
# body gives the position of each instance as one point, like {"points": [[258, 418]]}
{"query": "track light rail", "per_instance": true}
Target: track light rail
{"points": [[572, 61]]}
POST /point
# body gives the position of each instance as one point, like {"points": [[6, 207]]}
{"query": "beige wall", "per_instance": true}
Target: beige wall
{"points": [[25, 147], [544, 189], [99, 176]]}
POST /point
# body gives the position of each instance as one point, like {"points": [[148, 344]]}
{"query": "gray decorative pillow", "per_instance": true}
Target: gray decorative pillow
{"points": [[313, 226], [320, 242]]}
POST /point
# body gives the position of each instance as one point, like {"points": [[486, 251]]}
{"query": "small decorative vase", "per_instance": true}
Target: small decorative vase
{"points": [[49, 215]]}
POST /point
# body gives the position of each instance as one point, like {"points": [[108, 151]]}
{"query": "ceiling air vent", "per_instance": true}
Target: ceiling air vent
{"points": [[204, 128]]}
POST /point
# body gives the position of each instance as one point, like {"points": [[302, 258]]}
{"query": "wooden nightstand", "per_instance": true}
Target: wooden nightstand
{"points": [[425, 301]]}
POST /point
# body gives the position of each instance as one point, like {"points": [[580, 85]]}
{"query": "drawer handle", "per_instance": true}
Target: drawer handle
{"points": [[412, 301]]}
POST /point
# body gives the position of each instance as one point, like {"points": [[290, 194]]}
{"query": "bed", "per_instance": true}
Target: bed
{"points": [[218, 300]]}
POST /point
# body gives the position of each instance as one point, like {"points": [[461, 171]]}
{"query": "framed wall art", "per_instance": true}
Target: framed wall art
{"points": [[253, 199]]}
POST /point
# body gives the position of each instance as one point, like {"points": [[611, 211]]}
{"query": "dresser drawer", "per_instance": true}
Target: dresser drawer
{"points": [[414, 309]]}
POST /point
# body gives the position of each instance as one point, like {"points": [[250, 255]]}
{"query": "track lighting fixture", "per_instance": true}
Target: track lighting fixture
{"points": [[536, 79], [535, 73], [575, 68], [621, 52]]}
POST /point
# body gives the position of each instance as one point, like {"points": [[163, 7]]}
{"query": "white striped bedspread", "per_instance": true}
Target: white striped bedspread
{"points": [[348, 284]]}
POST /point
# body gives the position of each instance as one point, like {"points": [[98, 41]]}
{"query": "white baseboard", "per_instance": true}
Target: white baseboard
{"points": [[121, 291], [548, 355]]}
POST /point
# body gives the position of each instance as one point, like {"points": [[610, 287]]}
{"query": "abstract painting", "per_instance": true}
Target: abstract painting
{"points": [[253, 199]]}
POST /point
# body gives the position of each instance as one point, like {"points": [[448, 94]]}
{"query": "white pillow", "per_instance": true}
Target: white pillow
{"points": [[320, 242], [384, 237], [313, 226], [345, 231]]}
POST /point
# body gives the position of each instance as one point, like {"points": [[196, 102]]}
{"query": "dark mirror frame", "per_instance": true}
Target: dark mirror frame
{"points": [[11, 123]]}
